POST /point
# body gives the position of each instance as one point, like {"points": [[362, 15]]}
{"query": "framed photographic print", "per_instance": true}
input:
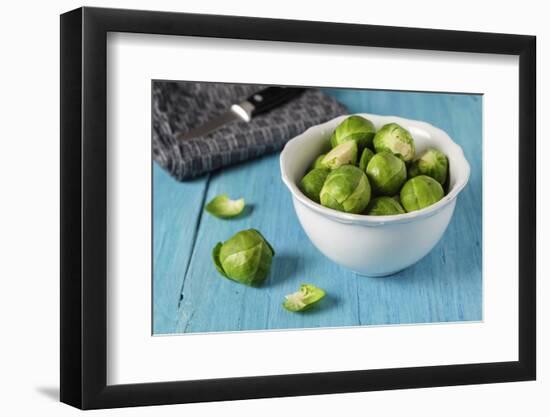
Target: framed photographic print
{"points": [[258, 208]]}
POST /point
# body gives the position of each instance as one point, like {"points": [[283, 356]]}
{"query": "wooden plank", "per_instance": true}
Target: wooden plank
{"points": [[176, 213], [445, 286], [213, 303]]}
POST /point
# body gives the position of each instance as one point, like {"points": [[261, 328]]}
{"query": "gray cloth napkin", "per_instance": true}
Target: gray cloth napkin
{"points": [[181, 106]]}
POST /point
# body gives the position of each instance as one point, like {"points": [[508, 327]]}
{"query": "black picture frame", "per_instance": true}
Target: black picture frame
{"points": [[84, 207]]}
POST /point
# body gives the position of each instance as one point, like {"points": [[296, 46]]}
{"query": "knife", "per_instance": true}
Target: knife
{"points": [[258, 103]]}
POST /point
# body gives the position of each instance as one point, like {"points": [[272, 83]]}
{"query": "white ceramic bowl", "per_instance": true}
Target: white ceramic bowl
{"points": [[373, 245]]}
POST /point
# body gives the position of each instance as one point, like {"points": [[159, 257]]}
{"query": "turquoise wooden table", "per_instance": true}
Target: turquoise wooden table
{"points": [[190, 296]]}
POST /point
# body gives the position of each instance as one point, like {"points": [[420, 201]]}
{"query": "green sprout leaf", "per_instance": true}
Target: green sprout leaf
{"points": [[306, 297], [216, 258], [223, 207]]}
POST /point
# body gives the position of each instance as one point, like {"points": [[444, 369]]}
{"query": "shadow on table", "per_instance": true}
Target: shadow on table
{"points": [[247, 211], [435, 262], [285, 266]]}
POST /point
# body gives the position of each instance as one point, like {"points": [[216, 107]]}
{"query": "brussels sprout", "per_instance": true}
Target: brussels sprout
{"points": [[343, 154], [318, 163], [312, 183], [366, 156], [412, 170], [245, 257], [386, 173], [395, 139], [346, 189], [223, 207], [354, 128], [420, 192], [384, 206], [306, 297], [432, 163]]}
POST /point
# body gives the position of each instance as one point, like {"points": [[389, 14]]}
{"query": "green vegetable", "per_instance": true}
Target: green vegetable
{"points": [[386, 173], [343, 154], [346, 189], [384, 206], [223, 207], [306, 297], [366, 156], [353, 178], [318, 163], [245, 257], [412, 170], [432, 163], [395, 139], [354, 128], [420, 192], [312, 183]]}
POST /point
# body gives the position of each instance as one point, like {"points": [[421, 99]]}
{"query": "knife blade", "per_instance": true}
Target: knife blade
{"points": [[258, 103]]}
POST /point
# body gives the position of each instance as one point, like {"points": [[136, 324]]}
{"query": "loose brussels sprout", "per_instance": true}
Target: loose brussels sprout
{"points": [[318, 163], [432, 163], [354, 128], [366, 156], [384, 206], [312, 183], [306, 297], [343, 154], [346, 189], [386, 173], [245, 257], [420, 192], [395, 139], [222, 206]]}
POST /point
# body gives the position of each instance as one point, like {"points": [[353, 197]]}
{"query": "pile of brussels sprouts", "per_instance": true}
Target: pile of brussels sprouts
{"points": [[375, 173]]}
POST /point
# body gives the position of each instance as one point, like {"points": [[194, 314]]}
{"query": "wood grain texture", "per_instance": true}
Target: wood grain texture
{"points": [[177, 208], [190, 296]]}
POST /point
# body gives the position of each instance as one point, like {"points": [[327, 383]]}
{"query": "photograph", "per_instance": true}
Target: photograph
{"points": [[302, 207], [256, 206]]}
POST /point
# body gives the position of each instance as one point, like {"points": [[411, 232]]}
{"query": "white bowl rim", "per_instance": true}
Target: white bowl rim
{"points": [[363, 219]]}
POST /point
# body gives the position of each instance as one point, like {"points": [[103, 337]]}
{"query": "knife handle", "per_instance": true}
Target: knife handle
{"points": [[271, 97]]}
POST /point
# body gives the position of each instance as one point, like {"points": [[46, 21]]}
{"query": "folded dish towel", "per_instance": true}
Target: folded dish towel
{"points": [[181, 106]]}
